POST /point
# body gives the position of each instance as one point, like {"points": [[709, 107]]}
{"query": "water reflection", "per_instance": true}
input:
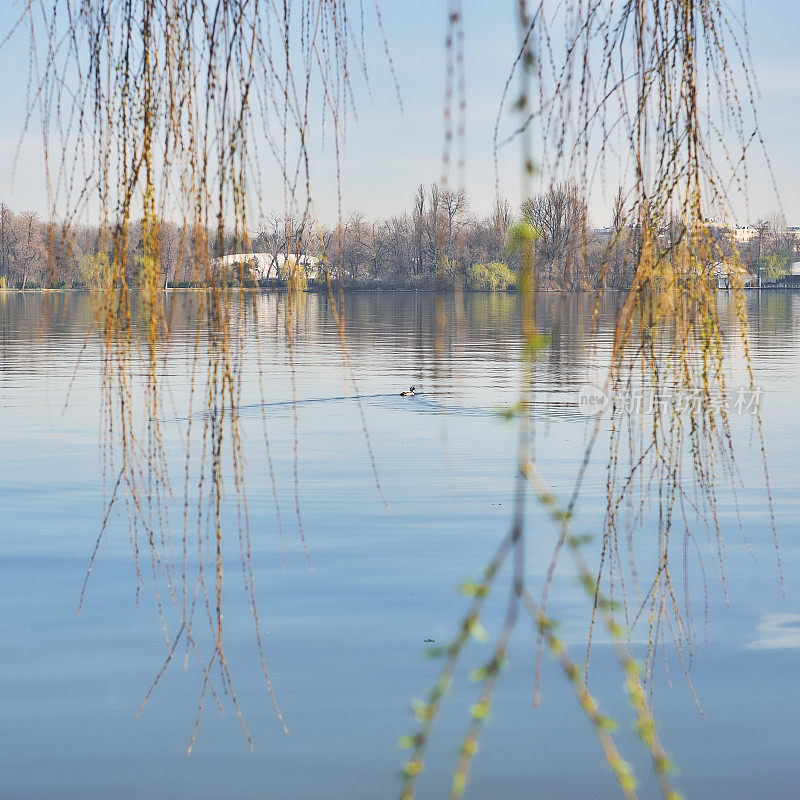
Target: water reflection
{"points": [[778, 631], [345, 642]]}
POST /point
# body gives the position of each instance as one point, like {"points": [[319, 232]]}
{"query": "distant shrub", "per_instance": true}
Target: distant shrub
{"points": [[774, 266], [492, 277], [94, 271], [521, 234]]}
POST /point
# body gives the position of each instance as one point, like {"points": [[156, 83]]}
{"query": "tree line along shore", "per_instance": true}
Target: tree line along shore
{"points": [[438, 243]]}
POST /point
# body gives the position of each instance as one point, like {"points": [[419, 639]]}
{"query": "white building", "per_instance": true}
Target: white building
{"points": [[266, 265], [742, 234], [745, 234], [727, 274]]}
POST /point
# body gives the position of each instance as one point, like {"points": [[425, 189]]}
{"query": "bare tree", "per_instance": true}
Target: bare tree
{"points": [[559, 214], [419, 224], [30, 251]]}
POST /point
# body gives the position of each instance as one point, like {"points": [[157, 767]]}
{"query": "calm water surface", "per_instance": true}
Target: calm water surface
{"points": [[346, 641]]}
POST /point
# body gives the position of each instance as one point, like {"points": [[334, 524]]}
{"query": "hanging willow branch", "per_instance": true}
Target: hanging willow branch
{"points": [[166, 109], [661, 93]]}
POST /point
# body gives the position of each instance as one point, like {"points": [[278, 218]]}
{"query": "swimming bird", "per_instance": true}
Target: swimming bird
{"points": [[412, 391]]}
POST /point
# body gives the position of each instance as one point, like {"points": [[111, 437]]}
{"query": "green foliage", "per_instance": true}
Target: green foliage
{"points": [[94, 271], [144, 265], [492, 277], [520, 234], [773, 266]]}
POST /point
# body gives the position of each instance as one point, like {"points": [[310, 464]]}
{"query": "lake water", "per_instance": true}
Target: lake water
{"points": [[345, 641]]}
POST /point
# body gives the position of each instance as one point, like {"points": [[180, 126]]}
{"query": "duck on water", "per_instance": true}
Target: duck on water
{"points": [[410, 393]]}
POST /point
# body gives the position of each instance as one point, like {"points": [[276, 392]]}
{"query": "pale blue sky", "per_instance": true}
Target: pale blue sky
{"points": [[388, 152]]}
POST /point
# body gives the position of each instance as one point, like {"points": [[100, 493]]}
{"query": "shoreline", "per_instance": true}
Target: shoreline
{"points": [[366, 290]]}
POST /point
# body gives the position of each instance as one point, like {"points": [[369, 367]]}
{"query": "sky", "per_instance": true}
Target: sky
{"points": [[389, 152]]}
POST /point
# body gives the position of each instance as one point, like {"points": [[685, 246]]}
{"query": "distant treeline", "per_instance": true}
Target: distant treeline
{"points": [[438, 243]]}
